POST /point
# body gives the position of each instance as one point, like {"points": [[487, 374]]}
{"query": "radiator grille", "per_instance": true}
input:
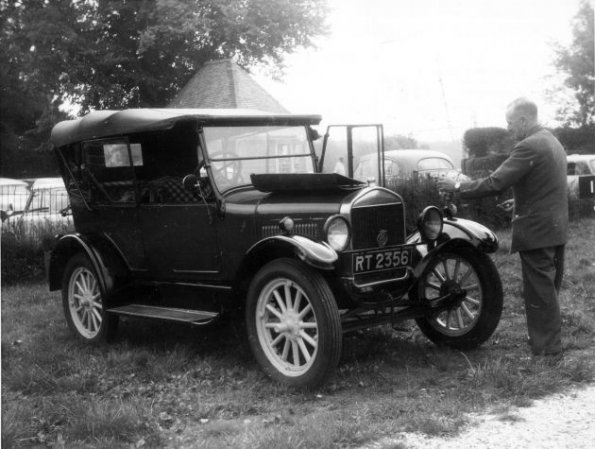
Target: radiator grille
{"points": [[310, 230], [368, 222]]}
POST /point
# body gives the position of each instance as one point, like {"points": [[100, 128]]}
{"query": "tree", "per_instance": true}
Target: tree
{"points": [[577, 62], [107, 53], [132, 53], [397, 142]]}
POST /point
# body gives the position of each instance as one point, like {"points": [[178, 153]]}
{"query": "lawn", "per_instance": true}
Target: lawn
{"points": [[165, 385]]}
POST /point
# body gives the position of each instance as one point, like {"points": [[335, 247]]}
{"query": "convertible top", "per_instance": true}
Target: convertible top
{"points": [[110, 123]]}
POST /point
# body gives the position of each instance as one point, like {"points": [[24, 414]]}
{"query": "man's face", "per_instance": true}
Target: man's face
{"points": [[517, 124]]}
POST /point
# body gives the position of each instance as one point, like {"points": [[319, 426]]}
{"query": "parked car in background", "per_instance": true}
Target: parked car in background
{"points": [[48, 201], [579, 165], [46, 209], [14, 195], [406, 164]]}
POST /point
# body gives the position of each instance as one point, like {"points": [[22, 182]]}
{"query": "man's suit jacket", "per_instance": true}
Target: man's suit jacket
{"points": [[536, 171]]}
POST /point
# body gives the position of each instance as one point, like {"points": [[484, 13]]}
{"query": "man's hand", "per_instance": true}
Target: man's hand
{"points": [[446, 184]]}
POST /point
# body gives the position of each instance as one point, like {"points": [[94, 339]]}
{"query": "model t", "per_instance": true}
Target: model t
{"points": [[187, 215]]}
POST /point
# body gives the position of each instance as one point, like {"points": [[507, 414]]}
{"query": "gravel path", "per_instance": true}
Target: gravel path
{"points": [[557, 422]]}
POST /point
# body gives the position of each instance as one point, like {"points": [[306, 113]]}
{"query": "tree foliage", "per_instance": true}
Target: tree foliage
{"points": [[397, 142], [132, 53], [577, 62]]}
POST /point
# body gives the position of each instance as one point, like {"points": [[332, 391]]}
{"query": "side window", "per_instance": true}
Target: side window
{"points": [[168, 156], [391, 168], [40, 200], [109, 167], [582, 168]]}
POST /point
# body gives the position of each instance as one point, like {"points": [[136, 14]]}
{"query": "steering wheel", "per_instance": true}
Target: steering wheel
{"points": [[204, 186], [227, 171]]}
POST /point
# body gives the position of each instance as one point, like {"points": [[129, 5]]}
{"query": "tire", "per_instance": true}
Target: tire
{"points": [[472, 320], [84, 302], [293, 324]]}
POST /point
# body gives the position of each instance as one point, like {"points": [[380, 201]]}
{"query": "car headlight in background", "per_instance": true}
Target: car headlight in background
{"points": [[336, 230], [430, 223]]}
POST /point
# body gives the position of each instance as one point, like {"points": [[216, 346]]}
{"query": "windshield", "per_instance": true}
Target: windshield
{"points": [[237, 152]]}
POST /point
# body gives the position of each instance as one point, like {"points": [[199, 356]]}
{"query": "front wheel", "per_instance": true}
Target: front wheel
{"points": [[293, 324], [84, 302], [474, 317]]}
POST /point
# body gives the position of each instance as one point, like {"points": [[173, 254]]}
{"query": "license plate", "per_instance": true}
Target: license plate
{"points": [[379, 260]]}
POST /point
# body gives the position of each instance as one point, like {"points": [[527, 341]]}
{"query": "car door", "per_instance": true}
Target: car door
{"points": [[107, 185], [180, 239], [345, 145], [178, 226]]}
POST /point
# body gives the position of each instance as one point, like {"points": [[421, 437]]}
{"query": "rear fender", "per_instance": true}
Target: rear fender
{"points": [[103, 258]]}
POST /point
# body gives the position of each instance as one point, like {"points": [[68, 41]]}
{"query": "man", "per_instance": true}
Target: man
{"points": [[536, 171]]}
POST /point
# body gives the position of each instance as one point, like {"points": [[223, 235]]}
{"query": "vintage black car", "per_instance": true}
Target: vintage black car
{"points": [[187, 215]]}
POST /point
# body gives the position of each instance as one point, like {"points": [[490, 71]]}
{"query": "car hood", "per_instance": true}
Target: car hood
{"points": [[304, 197], [304, 182]]}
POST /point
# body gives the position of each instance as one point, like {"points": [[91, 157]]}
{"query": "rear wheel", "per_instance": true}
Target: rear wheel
{"points": [[84, 302], [293, 324], [472, 319]]}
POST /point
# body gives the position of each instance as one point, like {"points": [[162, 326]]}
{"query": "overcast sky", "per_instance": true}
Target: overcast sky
{"points": [[428, 68]]}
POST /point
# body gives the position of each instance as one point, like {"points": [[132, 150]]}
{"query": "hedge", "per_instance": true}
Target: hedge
{"points": [[23, 257]]}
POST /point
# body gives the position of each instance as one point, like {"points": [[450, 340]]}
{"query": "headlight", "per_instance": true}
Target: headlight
{"points": [[336, 230], [286, 225], [429, 223]]}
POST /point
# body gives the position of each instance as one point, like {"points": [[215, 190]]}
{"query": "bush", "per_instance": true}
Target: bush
{"points": [[577, 140], [420, 193], [479, 167], [417, 194], [480, 142], [21, 259], [23, 249]]}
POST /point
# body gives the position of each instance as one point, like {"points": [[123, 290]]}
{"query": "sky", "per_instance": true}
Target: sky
{"points": [[429, 69]]}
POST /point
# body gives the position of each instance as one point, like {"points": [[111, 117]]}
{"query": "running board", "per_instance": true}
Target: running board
{"points": [[196, 317]]}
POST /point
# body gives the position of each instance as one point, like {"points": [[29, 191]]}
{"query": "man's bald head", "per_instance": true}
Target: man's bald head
{"points": [[521, 116]]}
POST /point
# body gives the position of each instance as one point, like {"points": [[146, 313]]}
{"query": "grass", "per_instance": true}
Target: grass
{"points": [[162, 385]]}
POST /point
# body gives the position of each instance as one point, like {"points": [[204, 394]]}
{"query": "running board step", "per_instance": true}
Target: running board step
{"points": [[196, 317]]}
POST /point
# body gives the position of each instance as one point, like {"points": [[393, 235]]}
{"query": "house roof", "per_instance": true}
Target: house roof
{"points": [[222, 84]]}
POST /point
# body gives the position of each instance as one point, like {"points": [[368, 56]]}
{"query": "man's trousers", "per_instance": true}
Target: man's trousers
{"points": [[542, 276]]}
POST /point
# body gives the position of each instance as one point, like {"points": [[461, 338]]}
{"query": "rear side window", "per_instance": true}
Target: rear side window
{"points": [[116, 154], [109, 169]]}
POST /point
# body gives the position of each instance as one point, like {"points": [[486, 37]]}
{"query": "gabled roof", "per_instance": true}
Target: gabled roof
{"points": [[222, 84]]}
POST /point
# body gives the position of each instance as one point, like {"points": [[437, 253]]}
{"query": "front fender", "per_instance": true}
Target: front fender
{"points": [[477, 234], [316, 254], [456, 233]]}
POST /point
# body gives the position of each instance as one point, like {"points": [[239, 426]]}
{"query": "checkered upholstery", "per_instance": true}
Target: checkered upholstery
{"points": [[167, 190]]}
